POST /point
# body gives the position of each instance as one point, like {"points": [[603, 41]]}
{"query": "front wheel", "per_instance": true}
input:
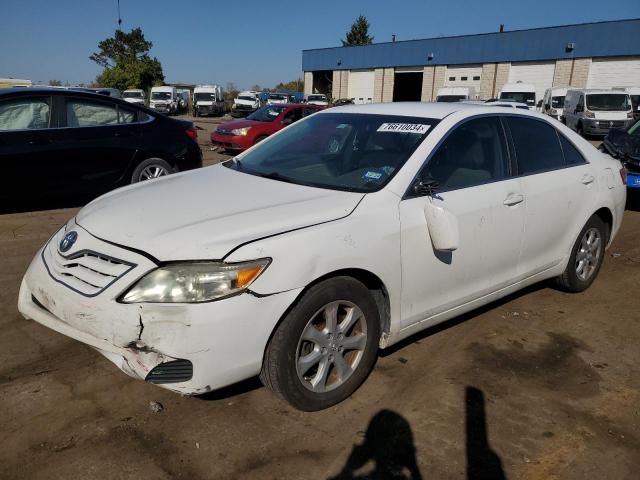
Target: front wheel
{"points": [[325, 347], [586, 257]]}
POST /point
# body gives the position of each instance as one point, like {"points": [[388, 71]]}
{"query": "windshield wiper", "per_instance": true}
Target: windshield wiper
{"points": [[276, 176]]}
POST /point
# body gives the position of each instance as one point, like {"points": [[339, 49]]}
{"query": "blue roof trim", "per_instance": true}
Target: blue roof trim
{"points": [[602, 39]]}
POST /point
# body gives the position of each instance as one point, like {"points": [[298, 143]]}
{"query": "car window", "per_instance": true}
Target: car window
{"points": [[292, 115], [571, 154], [25, 113], [126, 115], [536, 144], [81, 112], [308, 111], [473, 153]]}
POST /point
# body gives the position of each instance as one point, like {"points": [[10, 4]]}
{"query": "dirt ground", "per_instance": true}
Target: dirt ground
{"points": [[541, 385]]}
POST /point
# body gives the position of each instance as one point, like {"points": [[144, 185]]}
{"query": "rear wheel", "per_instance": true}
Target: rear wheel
{"points": [[586, 257], [151, 168], [325, 347]]}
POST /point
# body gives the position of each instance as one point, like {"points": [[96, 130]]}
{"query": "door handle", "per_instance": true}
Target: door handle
{"points": [[39, 141], [588, 179], [513, 199]]}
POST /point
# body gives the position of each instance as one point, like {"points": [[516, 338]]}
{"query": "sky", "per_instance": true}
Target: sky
{"points": [[251, 42]]}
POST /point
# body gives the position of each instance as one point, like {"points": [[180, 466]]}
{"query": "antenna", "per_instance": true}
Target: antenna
{"points": [[119, 19]]}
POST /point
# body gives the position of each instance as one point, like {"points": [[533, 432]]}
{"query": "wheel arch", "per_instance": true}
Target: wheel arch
{"points": [[606, 215], [370, 280]]}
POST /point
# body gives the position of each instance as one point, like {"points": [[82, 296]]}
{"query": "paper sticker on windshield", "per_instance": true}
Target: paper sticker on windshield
{"points": [[404, 128]]}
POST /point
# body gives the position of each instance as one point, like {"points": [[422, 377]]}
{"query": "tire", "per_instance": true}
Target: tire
{"points": [[580, 130], [316, 383], [151, 168], [259, 139], [575, 278]]}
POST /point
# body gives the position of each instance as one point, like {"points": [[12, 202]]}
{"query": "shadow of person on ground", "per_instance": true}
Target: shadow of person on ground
{"points": [[387, 453], [482, 462], [633, 199]]}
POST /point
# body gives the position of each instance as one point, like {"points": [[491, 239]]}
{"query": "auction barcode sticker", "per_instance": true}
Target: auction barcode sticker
{"points": [[404, 128]]}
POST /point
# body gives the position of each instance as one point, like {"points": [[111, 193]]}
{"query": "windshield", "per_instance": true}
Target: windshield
{"points": [[277, 97], [245, 97], [557, 102], [450, 98], [204, 97], [340, 151], [160, 95], [267, 114], [610, 102], [523, 97], [635, 101], [132, 95], [311, 98]]}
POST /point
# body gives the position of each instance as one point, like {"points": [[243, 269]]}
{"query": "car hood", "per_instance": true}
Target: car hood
{"points": [[205, 213], [239, 124]]}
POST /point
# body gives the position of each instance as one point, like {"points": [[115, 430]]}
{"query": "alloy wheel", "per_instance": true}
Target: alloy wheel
{"points": [[588, 254], [153, 171], [331, 346]]}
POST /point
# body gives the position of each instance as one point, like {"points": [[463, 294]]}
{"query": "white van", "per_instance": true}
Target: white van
{"points": [[595, 112], [634, 95], [319, 99], [520, 92], [208, 100], [134, 95], [456, 94], [553, 102], [164, 99]]}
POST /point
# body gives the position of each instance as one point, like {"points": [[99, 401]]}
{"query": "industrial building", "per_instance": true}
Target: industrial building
{"points": [[591, 55]]}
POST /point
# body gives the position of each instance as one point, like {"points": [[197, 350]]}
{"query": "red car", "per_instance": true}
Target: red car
{"points": [[242, 134]]}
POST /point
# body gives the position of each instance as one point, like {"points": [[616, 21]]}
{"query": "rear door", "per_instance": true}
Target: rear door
{"points": [[97, 144], [25, 146], [558, 187]]}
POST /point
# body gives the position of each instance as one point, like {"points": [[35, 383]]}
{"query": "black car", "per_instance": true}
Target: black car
{"points": [[624, 143], [63, 142]]}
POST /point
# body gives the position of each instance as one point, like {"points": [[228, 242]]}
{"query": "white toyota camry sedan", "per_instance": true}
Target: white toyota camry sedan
{"points": [[342, 234]]}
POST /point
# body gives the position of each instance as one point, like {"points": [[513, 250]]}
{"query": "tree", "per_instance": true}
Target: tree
{"points": [[126, 62], [55, 83], [296, 85], [359, 33]]}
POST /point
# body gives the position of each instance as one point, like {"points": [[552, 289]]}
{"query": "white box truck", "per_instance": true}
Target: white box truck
{"points": [[135, 96], [207, 100], [246, 102], [520, 92], [164, 99]]}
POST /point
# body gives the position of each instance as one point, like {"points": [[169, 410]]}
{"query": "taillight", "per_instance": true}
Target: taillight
{"points": [[623, 175], [192, 133]]}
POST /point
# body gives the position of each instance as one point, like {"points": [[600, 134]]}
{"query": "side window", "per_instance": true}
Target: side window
{"points": [[81, 113], [571, 154], [536, 144], [474, 153], [308, 111], [25, 113], [126, 115], [292, 116]]}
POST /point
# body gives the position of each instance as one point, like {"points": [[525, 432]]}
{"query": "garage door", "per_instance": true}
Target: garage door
{"points": [[361, 86], [464, 76], [539, 74], [608, 73]]}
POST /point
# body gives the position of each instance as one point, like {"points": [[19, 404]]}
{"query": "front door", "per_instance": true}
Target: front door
{"points": [[472, 169]]}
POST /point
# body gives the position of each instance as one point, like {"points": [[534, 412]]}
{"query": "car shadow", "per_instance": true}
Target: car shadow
{"points": [[240, 388], [22, 205], [461, 318]]}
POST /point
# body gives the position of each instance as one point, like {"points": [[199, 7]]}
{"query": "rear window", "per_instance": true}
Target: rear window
{"points": [[536, 144]]}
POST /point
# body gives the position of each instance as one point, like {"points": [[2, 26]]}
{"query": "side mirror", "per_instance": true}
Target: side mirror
{"points": [[426, 186], [579, 108], [539, 104], [442, 226]]}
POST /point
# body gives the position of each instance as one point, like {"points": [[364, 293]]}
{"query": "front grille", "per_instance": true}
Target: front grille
{"points": [[223, 132], [86, 272], [175, 371], [610, 123]]}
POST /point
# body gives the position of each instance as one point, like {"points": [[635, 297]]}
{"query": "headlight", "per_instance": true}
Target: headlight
{"points": [[589, 114], [240, 131], [193, 282]]}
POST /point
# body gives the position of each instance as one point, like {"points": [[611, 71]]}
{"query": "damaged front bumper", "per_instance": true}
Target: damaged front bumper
{"points": [[187, 348]]}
